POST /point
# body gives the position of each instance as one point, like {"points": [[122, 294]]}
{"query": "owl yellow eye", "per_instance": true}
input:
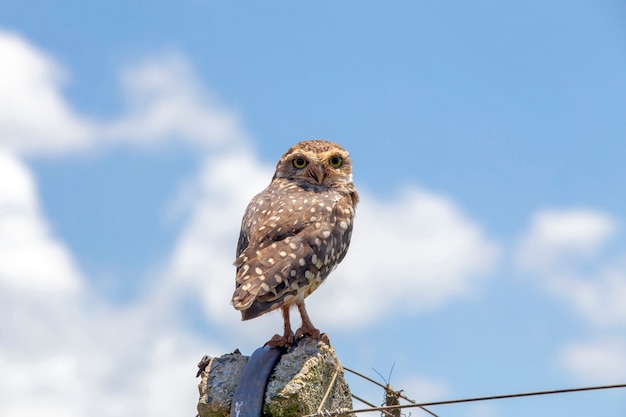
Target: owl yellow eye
{"points": [[299, 163], [335, 161]]}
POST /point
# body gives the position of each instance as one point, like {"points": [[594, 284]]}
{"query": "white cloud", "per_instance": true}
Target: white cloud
{"points": [[34, 116], [600, 299], [32, 258], [565, 251], [555, 235], [598, 361], [553, 249], [63, 351], [80, 357], [165, 102]]}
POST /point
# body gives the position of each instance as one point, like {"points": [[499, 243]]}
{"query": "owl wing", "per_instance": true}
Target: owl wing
{"points": [[287, 247]]}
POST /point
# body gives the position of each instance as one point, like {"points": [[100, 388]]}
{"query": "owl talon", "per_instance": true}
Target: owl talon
{"points": [[281, 341], [307, 331]]}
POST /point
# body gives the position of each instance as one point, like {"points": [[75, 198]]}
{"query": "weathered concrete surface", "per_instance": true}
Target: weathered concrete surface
{"points": [[297, 386], [219, 380], [301, 379]]}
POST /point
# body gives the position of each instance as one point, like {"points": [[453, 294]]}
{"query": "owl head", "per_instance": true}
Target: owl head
{"points": [[320, 163]]}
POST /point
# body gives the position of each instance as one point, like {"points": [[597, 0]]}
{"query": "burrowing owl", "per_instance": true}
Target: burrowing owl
{"points": [[294, 233]]}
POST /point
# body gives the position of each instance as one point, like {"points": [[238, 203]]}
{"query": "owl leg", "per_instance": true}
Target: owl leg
{"points": [[307, 328], [287, 338]]}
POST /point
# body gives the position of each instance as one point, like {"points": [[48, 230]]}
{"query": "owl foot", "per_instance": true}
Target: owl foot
{"points": [[307, 331], [285, 340]]}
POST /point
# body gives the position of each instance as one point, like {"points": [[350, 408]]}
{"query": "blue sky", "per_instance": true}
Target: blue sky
{"points": [[488, 256]]}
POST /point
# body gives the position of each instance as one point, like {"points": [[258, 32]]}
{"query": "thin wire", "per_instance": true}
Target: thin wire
{"points": [[385, 387], [493, 397]]}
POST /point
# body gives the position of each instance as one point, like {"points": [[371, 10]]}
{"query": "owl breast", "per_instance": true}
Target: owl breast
{"points": [[292, 237]]}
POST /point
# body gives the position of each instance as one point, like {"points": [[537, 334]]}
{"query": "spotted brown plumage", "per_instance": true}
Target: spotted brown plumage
{"points": [[294, 233]]}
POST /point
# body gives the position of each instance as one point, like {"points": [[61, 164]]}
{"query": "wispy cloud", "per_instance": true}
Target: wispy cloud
{"points": [[553, 250], [566, 251], [599, 361], [167, 102], [34, 115], [557, 236], [164, 102], [599, 298]]}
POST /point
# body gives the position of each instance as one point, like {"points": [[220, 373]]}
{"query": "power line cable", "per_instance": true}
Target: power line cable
{"points": [[467, 400]]}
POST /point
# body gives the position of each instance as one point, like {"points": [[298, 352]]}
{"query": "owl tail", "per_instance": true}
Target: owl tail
{"points": [[252, 307]]}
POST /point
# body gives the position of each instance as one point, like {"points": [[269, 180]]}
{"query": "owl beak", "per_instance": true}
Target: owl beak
{"points": [[317, 172]]}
